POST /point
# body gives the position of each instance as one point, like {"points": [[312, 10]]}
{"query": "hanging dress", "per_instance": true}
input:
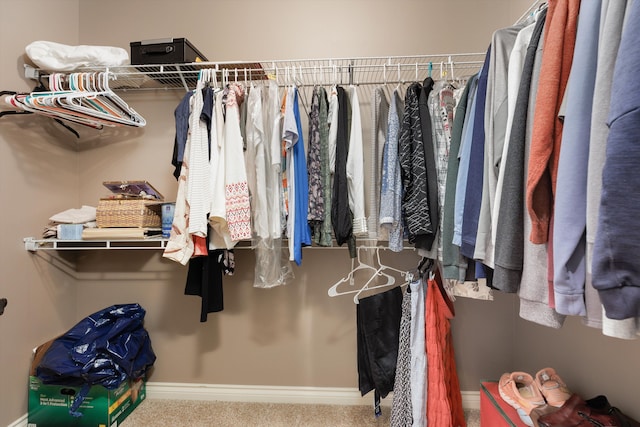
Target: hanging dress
{"points": [[238, 209], [219, 236]]}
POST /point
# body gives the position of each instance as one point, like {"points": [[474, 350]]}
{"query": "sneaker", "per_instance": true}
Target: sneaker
{"points": [[519, 390], [554, 390]]}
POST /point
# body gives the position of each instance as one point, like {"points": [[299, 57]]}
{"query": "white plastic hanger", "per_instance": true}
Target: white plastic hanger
{"points": [[400, 82], [382, 267], [403, 273], [87, 100], [350, 277], [377, 272]]}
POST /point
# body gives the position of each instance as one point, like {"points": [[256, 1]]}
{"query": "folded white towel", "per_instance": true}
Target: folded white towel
{"points": [[75, 216]]}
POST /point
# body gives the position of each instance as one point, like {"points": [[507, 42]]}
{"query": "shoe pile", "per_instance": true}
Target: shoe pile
{"points": [[596, 412], [545, 401], [526, 393]]}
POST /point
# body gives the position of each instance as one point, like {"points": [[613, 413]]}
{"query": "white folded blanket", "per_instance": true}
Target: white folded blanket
{"points": [[54, 56]]}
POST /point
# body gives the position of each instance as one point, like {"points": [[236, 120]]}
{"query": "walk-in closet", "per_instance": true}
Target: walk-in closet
{"points": [[286, 328]]}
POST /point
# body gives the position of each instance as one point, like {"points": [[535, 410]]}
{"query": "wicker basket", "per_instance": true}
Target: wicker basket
{"points": [[127, 212]]}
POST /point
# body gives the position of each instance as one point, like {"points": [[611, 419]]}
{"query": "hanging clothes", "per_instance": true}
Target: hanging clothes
{"points": [[275, 117], [415, 204], [560, 35], [519, 72], [341, 215], [391, 180], [272, 267], [334, 107], [615, 271], [355, 165], [473, 190], [608, 45], [181, 115], [510, 243], [515, 70], [426, 123], [379, 118], [454, 265], [441, 104], [289, 138], [302, 236], [535, 300], [238, 209], [378, 328], [198, 183], [255, 163], [463, 170], [419, 362], [314, 165], [219, 235], [495, 125], [323, 236], [204, 279], [401, 409], [570, 205], [547, 137], [180, 246], [444, 401]]}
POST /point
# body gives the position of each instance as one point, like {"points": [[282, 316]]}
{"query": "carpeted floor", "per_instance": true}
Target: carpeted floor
{"points": [[177, 413]]}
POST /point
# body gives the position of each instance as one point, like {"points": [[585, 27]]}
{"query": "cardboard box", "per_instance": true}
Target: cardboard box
{"points": [[49, 404], [494, 411]]}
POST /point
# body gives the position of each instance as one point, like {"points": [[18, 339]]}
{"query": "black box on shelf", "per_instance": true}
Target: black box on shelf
{"points": [[149, 55], [165, 51]]}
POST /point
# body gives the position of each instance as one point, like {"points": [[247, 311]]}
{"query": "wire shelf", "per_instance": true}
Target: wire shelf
{"points": [[33, 245], [304, 72]]}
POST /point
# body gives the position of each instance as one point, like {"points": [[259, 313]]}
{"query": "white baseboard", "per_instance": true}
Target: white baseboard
{"points": [[471, 400], [278, 394], [256, 393], [20, 422], [269, 394]]}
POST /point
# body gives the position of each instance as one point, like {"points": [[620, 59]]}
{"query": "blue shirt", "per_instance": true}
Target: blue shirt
{"points": [[302, 234]]}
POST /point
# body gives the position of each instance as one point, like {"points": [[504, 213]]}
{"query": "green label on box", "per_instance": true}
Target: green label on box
{"points": [[49, 404]]}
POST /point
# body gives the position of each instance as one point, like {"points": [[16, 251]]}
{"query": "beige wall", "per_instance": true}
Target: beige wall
{"points": [[38, 177], [294, 335]]}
